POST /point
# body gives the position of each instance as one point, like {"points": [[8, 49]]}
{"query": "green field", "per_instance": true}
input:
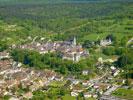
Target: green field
{"points": [[124, 93], [57, 83], [68, 97]]}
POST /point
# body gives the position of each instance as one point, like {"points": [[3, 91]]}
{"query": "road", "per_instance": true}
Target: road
{"points": [[110, 98], [76, 27], [109, 91], [107, 95]]}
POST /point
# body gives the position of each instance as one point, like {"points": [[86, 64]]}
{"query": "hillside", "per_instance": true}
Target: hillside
{"points": [[84, 20]]}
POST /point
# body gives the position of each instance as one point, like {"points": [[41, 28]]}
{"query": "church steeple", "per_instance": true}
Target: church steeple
{"points": [[74, 41]]}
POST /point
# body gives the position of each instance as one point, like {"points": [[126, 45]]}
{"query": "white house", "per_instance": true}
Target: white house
{"points": [[116, 73], [13, 98], [75, 82], [85, 83], [85, 72], [4, 54], [105, 42], [58, 78], [87, 95], [74, 94]]}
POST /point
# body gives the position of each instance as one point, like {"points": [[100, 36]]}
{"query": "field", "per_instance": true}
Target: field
{"points": [[57, 83], [68, 97], [124, 93]]}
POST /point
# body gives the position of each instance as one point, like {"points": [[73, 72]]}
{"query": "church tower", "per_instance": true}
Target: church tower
{"points": [[74, 41]]}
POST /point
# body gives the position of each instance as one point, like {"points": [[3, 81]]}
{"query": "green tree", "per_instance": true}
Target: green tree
{"points": [[111, 36], [109, 51], [63, 70], [87, 44], [125, 60]]}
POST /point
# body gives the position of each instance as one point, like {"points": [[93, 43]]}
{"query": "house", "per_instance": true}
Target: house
{"points": [[12, 83], [75, 81], [74, 94], [41, 83], [112, 68], [105, 42], [16, 64], [85, 83], [109, 60], [87, 95], [85, 72], [100, 60], [13, 98], [96, 86], [28, 95], [121, 81], [58, 78], [94, 95], [5, 65], [19, 76], [7, 93], [35, 86], [50, 75], [26, 83], [77, 88], [104, 87], [115, 72], [74, 57], [4, 54]]}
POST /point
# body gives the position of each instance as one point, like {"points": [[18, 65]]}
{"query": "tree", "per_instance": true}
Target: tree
{"points": [[120, 51], [124, 41], [38, 95], [3, 46], [125, 60], [6, 97], [63, 70], [87, 44], [109, 51], [111, 36]]}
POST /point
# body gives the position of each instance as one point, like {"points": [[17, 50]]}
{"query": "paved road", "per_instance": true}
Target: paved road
{"points": [[96, 80], [104, 97], [109, 91], [107, 94]]}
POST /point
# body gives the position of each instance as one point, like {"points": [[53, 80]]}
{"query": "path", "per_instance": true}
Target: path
{"points": [[77, 27]]}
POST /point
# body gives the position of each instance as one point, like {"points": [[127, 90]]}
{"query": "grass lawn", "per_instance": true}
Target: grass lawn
{"points": [[124, 93], [68, 97], [90, 99], [57, 83]]}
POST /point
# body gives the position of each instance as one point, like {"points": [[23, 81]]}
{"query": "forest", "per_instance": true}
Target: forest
{"points": [[63, 20]]}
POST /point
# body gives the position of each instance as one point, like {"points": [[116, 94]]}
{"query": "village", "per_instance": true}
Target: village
{"points": [[68, 49], [14, 76]]}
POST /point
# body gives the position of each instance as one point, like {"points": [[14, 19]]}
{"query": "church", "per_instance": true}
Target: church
{"points": [[74, 52]]}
